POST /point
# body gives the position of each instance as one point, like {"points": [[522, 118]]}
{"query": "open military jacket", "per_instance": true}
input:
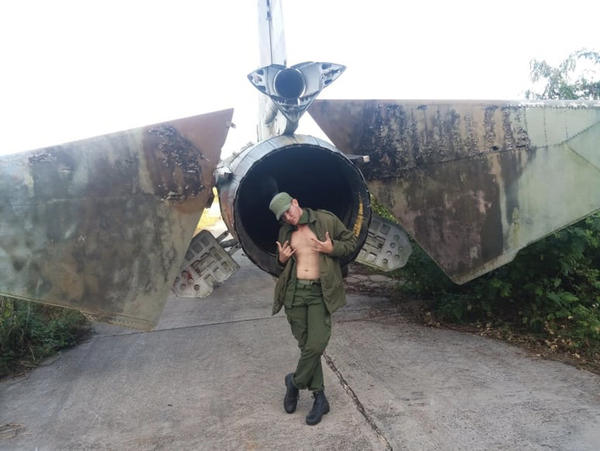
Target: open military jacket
{"points": [[344, 242]]}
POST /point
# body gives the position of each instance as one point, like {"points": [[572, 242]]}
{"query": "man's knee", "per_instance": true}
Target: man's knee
{"points": [[315, 347]]}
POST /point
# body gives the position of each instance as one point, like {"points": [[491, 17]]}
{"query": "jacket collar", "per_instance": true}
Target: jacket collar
{"points": [[312, 217]]}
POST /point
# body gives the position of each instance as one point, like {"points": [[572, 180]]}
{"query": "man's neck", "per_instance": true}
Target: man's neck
{"points": [[303, 217]]}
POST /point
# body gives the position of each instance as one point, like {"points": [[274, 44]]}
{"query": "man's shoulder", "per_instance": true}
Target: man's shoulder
{"points": [[284, 228], [325, 214]]}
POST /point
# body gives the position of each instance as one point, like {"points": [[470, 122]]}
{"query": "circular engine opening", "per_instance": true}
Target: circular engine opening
{"points": [[289, 83], [318, 177]]}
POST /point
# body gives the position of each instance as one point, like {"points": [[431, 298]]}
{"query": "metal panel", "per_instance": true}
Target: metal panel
{"points": [[271, 37], [387, 246], [205, 265], [473, 182], [101, 225]]}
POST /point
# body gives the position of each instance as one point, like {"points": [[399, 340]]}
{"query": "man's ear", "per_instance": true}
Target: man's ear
{"points": [[295, 202]]}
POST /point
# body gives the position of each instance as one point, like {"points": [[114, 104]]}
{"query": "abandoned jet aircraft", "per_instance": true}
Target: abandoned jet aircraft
{"points": [[105, 225]]}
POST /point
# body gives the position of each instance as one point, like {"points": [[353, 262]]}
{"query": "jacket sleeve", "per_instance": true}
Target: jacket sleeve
{"points": [[282, 265], [344, 241]]}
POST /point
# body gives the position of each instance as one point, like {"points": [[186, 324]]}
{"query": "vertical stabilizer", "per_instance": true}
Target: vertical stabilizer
{"points": [[271, 42], [271, 39]]}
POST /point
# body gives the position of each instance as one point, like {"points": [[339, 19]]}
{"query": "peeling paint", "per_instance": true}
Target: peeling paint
{"points": [[178, 174]]}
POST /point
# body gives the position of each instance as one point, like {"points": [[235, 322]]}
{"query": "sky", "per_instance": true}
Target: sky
{"points": [[76, 69]]}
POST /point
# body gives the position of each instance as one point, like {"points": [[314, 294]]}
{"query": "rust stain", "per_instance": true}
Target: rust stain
{"points": [[400, 136], [176, 168], [453, 210]]}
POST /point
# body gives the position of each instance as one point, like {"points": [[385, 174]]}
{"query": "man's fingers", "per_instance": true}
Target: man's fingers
{"points": [[327, 236], [286, 249]]}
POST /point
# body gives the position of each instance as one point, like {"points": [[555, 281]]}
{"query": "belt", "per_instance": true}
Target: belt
{"points": [[308, 282]]}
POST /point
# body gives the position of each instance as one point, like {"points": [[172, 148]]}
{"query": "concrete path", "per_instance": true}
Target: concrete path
{"points": [[211, 377]]}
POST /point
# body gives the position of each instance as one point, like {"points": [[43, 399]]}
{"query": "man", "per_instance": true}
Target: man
{"points": [[310, 287]]}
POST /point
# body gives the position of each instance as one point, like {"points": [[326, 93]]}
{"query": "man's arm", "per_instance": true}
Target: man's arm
{"points": [[344, 241]]}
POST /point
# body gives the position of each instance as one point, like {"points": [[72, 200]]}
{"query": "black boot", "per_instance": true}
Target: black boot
{"points": [[291, 394], [320, 408]]}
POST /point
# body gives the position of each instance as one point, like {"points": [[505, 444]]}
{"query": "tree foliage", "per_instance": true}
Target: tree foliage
{"points": [[577, 77]]}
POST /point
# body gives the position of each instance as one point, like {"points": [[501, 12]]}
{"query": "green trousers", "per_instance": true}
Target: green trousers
{"points": [[311, 326]]}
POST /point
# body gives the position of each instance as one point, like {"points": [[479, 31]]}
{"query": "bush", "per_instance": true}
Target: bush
{"points": [[551, 288], [30, 332]]}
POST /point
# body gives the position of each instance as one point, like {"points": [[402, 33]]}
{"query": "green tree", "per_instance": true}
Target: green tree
{"points": [[577, 77]]}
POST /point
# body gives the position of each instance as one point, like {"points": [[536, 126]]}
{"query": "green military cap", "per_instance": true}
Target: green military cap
{"points": [[280, 204]]}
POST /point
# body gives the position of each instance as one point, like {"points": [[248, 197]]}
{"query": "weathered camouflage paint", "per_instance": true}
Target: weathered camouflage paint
{"points": [[101, 225], [473, 182]]}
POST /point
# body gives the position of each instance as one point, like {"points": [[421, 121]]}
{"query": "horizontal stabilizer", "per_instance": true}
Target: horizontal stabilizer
{"points": [[473, 182], [102, 225]]}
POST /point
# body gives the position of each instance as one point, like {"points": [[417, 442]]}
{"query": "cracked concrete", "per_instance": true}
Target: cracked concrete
{"points": [[211, 377], [357, 402]]}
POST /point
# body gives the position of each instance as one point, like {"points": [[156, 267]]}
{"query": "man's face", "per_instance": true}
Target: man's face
{"points": [[292, 214]]}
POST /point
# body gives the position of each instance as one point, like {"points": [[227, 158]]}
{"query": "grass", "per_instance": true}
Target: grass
{"points": [[29, 333]]}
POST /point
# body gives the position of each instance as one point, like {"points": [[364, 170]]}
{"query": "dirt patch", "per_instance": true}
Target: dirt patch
{"points": [[364, 280], [539, 346]]}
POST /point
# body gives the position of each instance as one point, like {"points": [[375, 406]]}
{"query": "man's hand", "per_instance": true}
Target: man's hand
{"points": [[324, 247], [285, 251]]}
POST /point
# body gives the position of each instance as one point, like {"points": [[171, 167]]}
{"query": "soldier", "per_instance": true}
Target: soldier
{"points": [[310, 245]]}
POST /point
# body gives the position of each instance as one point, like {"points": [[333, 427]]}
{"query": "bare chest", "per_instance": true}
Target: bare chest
{"points": [[302, 239]]}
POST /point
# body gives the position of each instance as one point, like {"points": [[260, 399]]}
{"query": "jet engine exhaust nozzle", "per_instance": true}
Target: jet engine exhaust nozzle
{"points": [[310, 170]]}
